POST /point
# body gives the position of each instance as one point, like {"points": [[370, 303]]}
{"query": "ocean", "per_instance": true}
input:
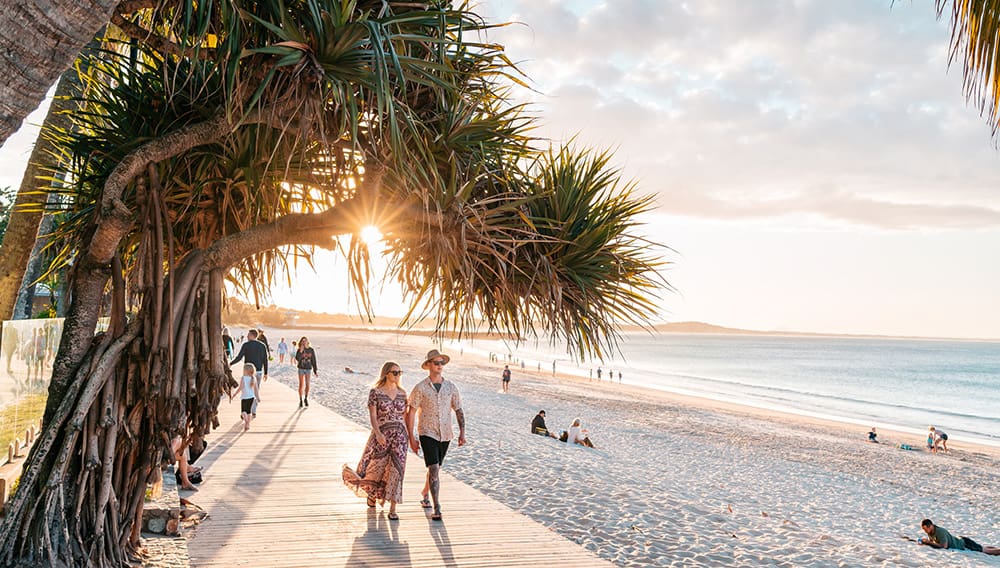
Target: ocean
{"points": [[902, 384]]}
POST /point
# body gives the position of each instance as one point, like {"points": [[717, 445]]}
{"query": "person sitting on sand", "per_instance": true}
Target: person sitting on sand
{"points": [[873, 436], [577, 435], [938, 537], [940, 438], [538, 425]]}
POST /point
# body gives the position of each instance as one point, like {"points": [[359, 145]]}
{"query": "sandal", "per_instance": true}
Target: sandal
{"points": [[437, 514], [393, 517], [371, 501], [425, 503]]}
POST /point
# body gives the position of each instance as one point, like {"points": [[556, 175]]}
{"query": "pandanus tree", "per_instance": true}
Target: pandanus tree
{"points": [[236, 128]]}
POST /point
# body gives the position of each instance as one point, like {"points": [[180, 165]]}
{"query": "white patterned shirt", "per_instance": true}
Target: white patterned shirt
{"points": [[434, 420]]}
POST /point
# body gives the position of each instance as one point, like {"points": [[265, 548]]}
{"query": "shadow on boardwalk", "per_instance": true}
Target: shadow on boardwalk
{"points": [[274, 497]]}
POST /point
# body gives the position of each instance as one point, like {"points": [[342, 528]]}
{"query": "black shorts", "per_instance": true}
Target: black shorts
{"points": [[434, 450], [246, 405], [944, 437]]}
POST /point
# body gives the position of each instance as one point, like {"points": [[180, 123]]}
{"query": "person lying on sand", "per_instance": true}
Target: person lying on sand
{"points": [[938, 537]]}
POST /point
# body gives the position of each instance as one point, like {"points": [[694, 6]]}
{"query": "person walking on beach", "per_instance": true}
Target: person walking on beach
{"points": [[249, 392], [506, 379], [379, 476], [431, 402], [253, 352], [938, 537], [282, 351], [305, 359]]}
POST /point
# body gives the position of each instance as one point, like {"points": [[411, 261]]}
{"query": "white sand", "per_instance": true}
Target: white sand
{"points": [[679, 482]]}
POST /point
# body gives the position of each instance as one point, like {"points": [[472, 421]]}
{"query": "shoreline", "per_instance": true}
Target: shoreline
{"points": [[677, 479], [897, 434], [891, 434]]}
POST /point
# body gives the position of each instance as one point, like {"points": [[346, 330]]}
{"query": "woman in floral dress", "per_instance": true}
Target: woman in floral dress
{"points": [[379, 476]]}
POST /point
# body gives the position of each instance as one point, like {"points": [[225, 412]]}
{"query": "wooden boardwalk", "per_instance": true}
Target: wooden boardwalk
{"points": [[274, 497]]}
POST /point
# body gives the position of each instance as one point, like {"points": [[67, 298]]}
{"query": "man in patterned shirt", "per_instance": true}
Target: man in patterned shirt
{"points": [[431, 402]]}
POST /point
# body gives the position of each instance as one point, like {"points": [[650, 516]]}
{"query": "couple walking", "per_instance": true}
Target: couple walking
{"points": [[379, 475]]}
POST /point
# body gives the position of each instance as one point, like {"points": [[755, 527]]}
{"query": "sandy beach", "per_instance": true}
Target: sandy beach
{"points": [[679, 481]]}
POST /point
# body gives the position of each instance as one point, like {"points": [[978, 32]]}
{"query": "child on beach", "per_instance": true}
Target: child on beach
{"points": [[938, 439], [248, 393]]}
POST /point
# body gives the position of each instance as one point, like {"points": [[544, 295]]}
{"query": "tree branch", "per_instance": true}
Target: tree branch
{"points": [[158, 42], [316, 229], [115, 217]]}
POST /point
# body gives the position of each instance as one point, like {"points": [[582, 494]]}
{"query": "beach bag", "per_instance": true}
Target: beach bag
{"points": [[192, 477]]}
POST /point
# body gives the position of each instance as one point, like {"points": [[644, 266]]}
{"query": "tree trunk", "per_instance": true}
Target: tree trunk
{"points": [[22, 231], [38, 41]]}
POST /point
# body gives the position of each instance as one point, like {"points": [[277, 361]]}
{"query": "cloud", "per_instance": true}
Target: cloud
{"points": [[841, 110]]}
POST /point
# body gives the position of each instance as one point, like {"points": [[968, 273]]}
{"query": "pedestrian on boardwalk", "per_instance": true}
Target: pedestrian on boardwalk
{"points": [[282, 351], [431, 402], [249, 392], [379, 476], [253, 352], [227, 343], [506, 379], [305, 359], [263, 339]]}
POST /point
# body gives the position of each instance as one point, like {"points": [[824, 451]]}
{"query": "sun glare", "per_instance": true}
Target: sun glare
{"points": [[371, 235]]}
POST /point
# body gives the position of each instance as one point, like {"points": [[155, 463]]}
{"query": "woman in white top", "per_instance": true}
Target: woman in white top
{"points": [[578, 436], [248, 393]]}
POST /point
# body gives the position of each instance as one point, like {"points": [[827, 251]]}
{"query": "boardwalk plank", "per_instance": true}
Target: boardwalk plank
{"points": [[275, 498]]}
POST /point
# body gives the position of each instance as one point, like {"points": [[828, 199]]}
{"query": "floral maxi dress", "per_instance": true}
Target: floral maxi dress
{"points": [[380, 471]]}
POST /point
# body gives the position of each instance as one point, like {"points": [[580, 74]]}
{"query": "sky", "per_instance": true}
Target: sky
{"points": [[816, 165]]}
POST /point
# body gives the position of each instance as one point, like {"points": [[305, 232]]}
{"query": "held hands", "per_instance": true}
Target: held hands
{"points": [[415, 445]]}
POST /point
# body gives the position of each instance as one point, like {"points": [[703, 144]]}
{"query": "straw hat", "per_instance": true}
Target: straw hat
{"points": [[434, 354]]}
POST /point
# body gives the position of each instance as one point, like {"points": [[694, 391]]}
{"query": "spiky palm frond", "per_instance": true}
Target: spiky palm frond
{"points": [[558, 252], [975, 42]]}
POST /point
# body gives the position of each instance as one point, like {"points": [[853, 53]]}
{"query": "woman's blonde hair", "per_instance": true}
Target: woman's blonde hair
{"points": [[384, 373]]}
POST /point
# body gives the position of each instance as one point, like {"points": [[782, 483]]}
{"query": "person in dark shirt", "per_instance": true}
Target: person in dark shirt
{"points": [[305, 361], [538, 425], [263, 339], [938, 537], [254, 352]]}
